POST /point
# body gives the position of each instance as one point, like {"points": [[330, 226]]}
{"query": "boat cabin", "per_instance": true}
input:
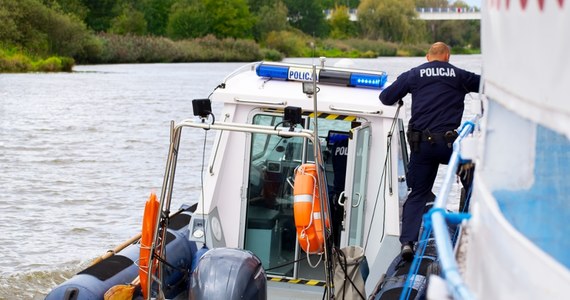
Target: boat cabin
{"points": [[247, 198]]}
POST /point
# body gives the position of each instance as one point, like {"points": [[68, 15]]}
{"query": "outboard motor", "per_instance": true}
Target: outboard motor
{"points": [[227, 273]]}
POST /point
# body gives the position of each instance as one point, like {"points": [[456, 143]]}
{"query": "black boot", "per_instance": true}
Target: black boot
{"points": [[407, 252]]}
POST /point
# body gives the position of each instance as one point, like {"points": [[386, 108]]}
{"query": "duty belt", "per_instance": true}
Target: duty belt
{"points": [[417, 136], [448, 136]]}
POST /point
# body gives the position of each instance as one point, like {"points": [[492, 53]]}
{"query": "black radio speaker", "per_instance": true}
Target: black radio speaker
{"points": [[292, 116], [202, 107]]}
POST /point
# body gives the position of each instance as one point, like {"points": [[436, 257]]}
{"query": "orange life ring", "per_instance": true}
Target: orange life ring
{"points": [[151, 209], [307, 210]]}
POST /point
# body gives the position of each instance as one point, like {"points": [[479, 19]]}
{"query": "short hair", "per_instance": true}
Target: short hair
{"points": [[438, 49]]}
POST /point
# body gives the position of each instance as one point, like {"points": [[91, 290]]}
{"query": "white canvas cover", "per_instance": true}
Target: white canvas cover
{"points": [[526, 69], [526, 58], [348, 281]]}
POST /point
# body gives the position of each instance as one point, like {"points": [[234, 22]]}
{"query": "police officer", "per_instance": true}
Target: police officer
{"points": [[438, 91]]}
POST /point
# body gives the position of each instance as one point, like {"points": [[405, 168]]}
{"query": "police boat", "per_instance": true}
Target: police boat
{"points": [[301, 194], [300, 197]]}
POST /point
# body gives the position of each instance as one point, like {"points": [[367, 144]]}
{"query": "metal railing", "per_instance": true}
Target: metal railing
{"points": [[437, 219], [429, 13], [440, 219], [447, 10]]}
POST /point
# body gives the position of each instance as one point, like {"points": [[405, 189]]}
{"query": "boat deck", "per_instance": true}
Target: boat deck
{"points": [[287, 291]]}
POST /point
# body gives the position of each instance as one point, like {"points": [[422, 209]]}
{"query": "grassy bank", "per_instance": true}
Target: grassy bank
{"points": [[110, 49], [14, 61], [137, 49]]}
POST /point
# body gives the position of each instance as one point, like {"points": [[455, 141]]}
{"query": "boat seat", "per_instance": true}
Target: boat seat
{"points": [[261, 217]]}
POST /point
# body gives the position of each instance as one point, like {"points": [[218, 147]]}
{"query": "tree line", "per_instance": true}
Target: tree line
{"points": [[87, 30]]}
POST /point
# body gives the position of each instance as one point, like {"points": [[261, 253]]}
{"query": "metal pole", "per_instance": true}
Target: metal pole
{"points": [[316, 126], [322, 186], [167, 183]]}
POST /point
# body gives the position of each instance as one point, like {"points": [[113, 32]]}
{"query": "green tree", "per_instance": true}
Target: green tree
{"points": [[270, 17], [9, 32], [37, 29], [308, 16], [341, 25], [255, 5], [432, 3], [74, 7], [187, 21], [100, 13], [130, 21], [449, 31], [460, 4], [67, 36], [391, 20], [472, 35], [457, 33], [292, 43], [19, 28], [156, 13], [230, 18], [223, 18], [333, 3]]}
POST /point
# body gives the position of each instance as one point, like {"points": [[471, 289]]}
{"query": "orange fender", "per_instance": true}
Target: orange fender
{"points": [[151, 210]]}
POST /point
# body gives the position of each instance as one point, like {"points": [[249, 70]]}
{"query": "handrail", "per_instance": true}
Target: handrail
{"points": [[241, 69], [451, 10], [216, 148], [267, 102], [170, 170], [358, 111], [438, 217], [249, 128]]}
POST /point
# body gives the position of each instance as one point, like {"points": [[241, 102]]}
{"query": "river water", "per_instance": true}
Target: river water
{"points": [[80, 153]]}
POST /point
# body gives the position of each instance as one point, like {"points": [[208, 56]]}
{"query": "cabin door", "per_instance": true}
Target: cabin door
{"points": [[355, 191], [269, 227]]}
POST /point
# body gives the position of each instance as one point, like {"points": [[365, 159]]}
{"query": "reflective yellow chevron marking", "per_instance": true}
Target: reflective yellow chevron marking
{"points": [[297, 281], [320, 115], [333, 117]]}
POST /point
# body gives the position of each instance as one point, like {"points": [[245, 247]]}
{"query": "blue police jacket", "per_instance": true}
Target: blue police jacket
{"points": [[438, 92]]}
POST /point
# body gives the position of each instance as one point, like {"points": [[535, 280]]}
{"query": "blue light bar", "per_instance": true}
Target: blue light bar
{"points": [[332, 76], [368, 80], [272, 71]]}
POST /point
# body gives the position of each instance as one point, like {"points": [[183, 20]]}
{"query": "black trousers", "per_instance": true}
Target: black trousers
{"points": [[422, 171]]}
